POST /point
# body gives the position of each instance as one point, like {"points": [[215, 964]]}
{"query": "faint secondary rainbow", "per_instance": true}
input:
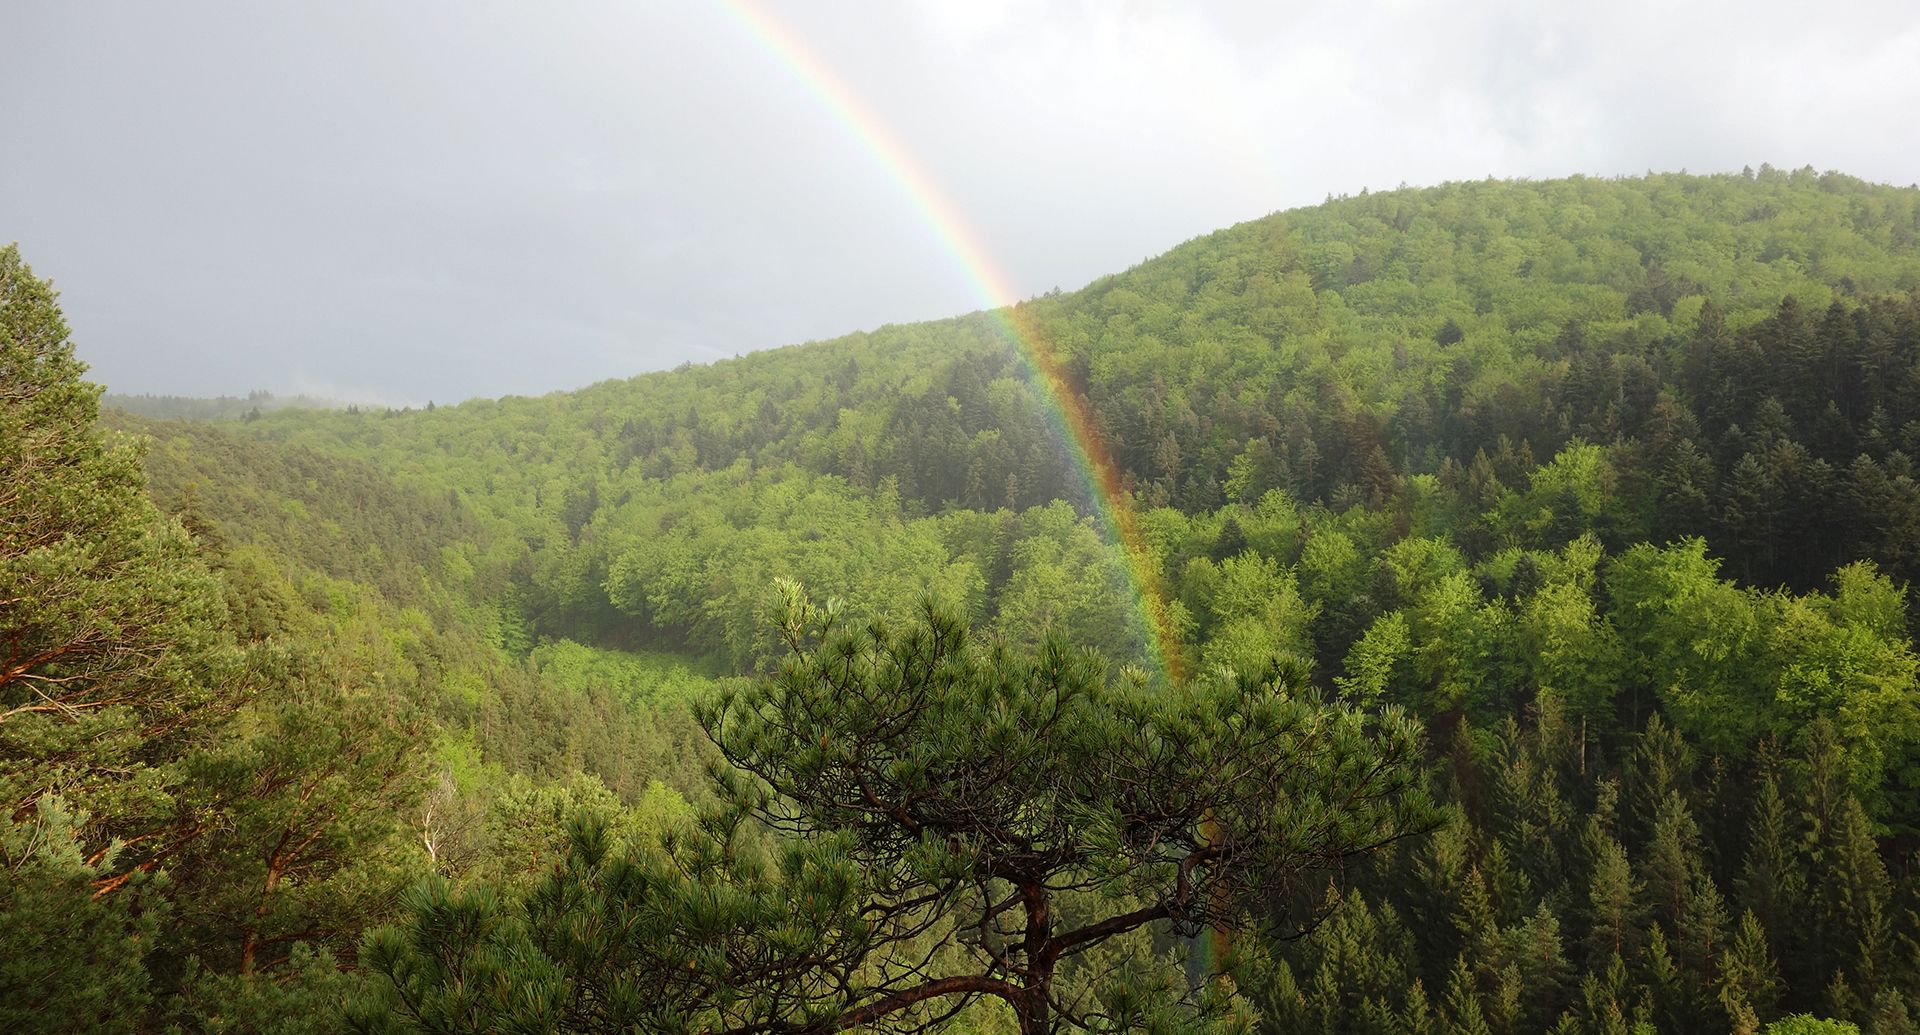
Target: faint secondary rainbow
{"points": [[1069, 409]]}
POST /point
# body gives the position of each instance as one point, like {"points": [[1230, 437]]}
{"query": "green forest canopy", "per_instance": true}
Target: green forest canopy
{"points": [[1608, 482]]}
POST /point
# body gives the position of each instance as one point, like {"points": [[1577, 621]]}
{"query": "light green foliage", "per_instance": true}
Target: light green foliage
{"points": [[1337, 577], [1848, 657], [1417, 565], [1697, 637], [1286, 359], [1461, 643], [1374, 663], [1573, 651], [1067, 583], [1257, 615], [639, 678], [1273, 527], [1571, 494], [304, 805], [1730, 663], [212, 738], [527, 822], [704, 573], [1332, 567], [1807, 1024]]}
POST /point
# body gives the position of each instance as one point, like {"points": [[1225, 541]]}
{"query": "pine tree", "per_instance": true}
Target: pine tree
{"points": [[1662, 764], [1504, 1005], [1855, 897], [303, 800], [1750, 517], [1544, 971], [1416, 1015], [1375, 1017], [1703, 369], [1833, 931], [1463, 1013], [1614, 903], [1890, 1016], [69, 961], [1702, 929], [1440, 866], [1507, 885], [1667, 993], [109, 634], [112, 666], [1842, 1002], [1748, 976], [1604, 1009], [925, 782], [1771, 882], [1672, 860], [1477, 924], [1281, 1000]]}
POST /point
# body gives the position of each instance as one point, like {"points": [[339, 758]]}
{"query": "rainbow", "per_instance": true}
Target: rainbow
{"points": [[1068, 409]]}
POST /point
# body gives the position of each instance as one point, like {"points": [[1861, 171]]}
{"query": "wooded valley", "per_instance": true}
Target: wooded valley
{"points": [[1539, 554]]}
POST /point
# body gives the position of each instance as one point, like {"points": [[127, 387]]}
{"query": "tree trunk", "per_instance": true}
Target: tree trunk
{"points": [[1035, 1009], [250, 945]]}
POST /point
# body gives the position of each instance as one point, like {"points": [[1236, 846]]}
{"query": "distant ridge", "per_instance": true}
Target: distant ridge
{"points": [[220, 407]]}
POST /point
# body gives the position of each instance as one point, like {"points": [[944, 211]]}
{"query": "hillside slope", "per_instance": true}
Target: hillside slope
{"points": [[1330, 352], [1610, 483]]}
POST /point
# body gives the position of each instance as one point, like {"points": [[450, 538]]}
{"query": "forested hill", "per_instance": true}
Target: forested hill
{"points": [[1741, 348], [226, 406], [1426, 318], [1609, 484]]}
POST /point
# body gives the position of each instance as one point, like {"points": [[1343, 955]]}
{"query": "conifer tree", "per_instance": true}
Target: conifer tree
{"points": [[303, 804], [1440, 868], [69, 961], [1605, 1007], [110, 627], [1702, 930], [1544, 970], [1890, 1015], [1416, 1015], [1771, 882], [1614, 907], [1748, 976], [111, 668], [1376, 1017], [1477, 923], [1463, 1013], [1854, 899], [1833, 931], [1668, 997], [1842, 1001], [1672, 860]]}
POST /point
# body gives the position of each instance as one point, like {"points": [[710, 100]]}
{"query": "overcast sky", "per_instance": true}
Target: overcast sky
{"points": [[407, 201]]}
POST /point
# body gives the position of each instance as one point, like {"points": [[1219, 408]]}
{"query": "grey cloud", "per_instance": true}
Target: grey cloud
{"points": [[412, 201]]}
